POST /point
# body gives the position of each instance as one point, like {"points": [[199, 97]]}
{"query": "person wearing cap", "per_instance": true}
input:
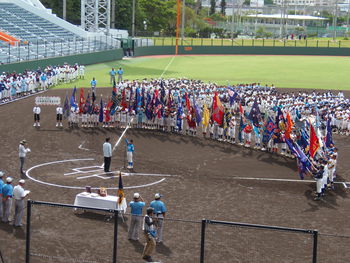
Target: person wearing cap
{"points": [[7, 191], [1, 186], [129, 153], [150, 232], [159, 211], [36, 111], [107, 153], [136, 217], [19, 194], [22, 154]]}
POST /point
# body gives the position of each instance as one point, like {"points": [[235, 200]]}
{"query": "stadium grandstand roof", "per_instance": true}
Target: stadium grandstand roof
{"points": [[290, 17]]}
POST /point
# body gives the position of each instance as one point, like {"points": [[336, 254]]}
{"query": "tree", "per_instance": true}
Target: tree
{"points": [[223, 7], [212, 7]]}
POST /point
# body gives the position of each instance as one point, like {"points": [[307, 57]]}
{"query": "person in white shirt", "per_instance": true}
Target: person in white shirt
{"points": [[36, 111], [22, 154], [107, 154], [59, 114], [19, 194]]}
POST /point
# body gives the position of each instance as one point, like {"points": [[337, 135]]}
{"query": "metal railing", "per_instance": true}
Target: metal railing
{"points": [[41, 49]]}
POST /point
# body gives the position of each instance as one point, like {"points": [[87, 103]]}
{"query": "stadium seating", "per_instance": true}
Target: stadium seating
{"points": [[40, 38]]}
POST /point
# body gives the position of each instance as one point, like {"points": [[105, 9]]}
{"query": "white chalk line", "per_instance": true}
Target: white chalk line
{"points": [[78, 187], [166, 68], [100, 175], [284, 180], [81, 147]]}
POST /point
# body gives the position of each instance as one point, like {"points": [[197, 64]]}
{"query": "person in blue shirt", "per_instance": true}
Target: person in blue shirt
{"points": [[7, 191], [1, 185], [120, 75], [136, 217], [159, 211], [112, 74], [129, 153], [93, 84]]}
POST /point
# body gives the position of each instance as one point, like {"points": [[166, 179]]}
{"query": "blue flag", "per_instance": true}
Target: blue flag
{"points": [[255, 113], [197, 111], [66, 110], [100, 118], [179, 115], [232, 95], [329, 137], [72, 99], [148, 110]]}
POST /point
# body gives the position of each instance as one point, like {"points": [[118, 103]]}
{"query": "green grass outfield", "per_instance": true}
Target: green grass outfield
{"points": [[300, 72]]}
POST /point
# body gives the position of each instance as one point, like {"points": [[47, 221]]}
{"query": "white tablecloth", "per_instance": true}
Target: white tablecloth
{"points": [[107, 202]]}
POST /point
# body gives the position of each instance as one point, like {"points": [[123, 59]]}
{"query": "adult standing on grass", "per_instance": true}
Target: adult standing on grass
{"points": [[7, 191], [93, 84], [150, 232], [159, 211], [120, 75], [19, 194], [107, 153], [22, 152], [112, 74], [136, 217]]}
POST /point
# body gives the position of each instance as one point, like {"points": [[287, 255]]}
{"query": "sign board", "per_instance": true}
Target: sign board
{"points": [[47, 100]]}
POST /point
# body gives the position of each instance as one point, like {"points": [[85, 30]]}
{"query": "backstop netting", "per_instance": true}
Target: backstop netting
{"points": [[234, 243]]}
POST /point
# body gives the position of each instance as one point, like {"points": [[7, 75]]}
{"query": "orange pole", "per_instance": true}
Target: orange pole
{"points": [[178, 19]]}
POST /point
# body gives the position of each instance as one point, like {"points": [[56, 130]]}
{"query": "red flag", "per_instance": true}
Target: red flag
{"points": [[188, 104], [314, 143], [123, 103], [108, 111], [81, 100], [241, 108], [289, 126], [218, 110]]}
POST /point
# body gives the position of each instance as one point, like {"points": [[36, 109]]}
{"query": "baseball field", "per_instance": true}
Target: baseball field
{"points": [[299, 72], [198, 178]]}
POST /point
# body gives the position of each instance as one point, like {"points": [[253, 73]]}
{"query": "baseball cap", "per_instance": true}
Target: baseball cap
{"points": [[22, 181], [136, 195], [23, 142], [9, 179], [1, 173], [157, 196]]}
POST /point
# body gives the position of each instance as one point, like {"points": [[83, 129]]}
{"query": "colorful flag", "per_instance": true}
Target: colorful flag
{"points": [[81, 100], [121, 194], [87, 106], [188, 104], [66, 110], [280, 122], [218, 110], [123, 103], [268, 130], [148, 110], [197, 111], [314, 143], [329, 137], [114, 100], [289, 127], [206, 116], [108, 111]]}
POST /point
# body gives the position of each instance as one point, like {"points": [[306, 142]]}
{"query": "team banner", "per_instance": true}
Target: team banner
{"points": [[48, 100]]}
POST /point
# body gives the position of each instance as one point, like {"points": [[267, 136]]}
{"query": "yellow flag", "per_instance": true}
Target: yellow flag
{"points": [[206, 116]]}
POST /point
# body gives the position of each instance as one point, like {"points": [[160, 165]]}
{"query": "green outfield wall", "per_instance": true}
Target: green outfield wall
{"points": [[85, 59], [227, 50]]}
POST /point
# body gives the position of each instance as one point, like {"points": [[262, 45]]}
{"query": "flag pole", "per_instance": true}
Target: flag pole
{"points": [[178, 17]]}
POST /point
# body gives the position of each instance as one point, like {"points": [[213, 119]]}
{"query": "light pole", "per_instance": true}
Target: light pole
{"points": [[64, 15], [133, 19], [335, 18], [233, 20], [348, 18], [183, 20]]}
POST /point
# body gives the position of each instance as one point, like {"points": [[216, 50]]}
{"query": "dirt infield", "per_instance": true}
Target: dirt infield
{"points": [[202, 179]]}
